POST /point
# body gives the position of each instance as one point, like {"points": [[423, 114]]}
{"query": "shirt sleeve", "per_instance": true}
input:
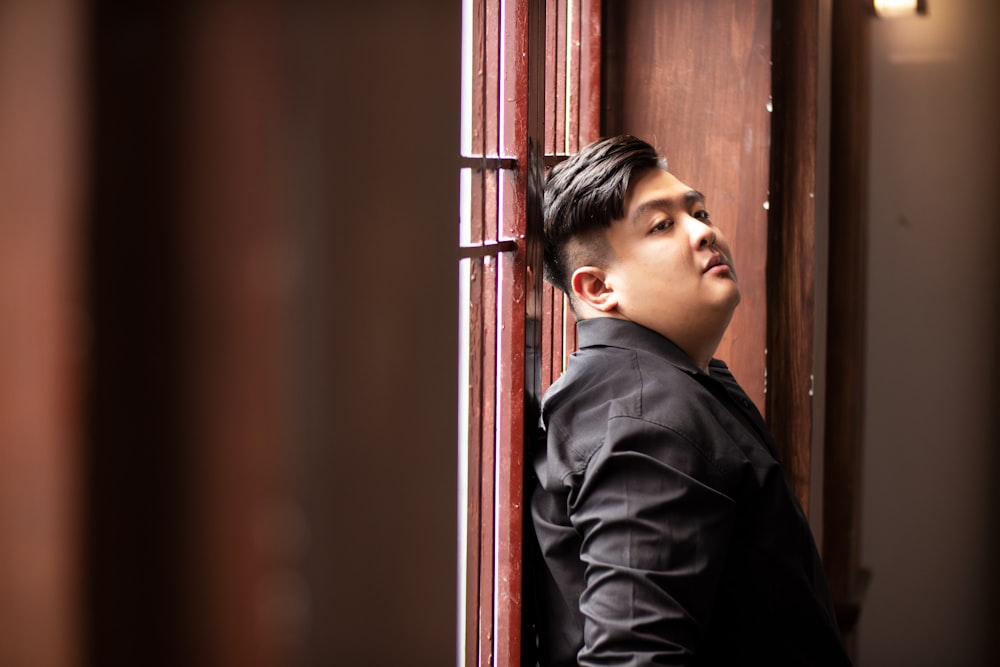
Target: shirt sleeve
{"points": [[655, 534]]}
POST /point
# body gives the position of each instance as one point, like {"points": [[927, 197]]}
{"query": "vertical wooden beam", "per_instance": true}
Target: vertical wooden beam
{"points": [[491, 65], [590, 72], [376, 202], [42, 329], [791, 237], [573, 69], [520, 16], [486, 441], [561, 75], [239, 284], [848, 248]]}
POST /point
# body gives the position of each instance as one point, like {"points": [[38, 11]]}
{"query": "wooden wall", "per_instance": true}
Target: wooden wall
{"points": [[228, 323]]}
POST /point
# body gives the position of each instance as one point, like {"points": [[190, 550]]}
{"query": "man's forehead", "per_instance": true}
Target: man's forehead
{"points": [[659, 190], [657, 182]]}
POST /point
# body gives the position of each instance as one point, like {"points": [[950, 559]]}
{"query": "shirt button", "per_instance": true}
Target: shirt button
{"points": [[746, 403]]}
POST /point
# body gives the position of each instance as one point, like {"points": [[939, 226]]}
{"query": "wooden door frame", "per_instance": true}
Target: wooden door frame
{"points": [[791, 275]]}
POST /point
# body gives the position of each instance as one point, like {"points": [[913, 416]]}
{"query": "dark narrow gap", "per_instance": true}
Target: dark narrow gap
{"points": [[133, 527]]}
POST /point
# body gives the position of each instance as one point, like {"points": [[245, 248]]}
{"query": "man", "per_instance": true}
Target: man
{"points": [[667, 532]]}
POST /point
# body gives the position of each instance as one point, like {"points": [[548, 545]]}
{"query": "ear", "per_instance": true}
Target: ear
{"points": [[591, 287]]}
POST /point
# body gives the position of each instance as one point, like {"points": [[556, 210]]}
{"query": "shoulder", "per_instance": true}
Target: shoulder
{"points": [[607, 391], [608, 381], [595, 375], [598, 383]]}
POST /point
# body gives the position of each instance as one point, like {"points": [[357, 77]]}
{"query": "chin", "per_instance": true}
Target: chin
{"points": [[728, 308], [732, 299]]}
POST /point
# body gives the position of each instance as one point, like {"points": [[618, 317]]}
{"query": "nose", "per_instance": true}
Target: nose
{"points": [[702, 235]]}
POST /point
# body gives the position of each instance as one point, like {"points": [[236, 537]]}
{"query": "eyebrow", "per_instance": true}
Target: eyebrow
{"points": [[690, 197]]}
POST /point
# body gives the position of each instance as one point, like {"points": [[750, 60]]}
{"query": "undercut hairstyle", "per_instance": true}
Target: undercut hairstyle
{"points": [[583, 196]]}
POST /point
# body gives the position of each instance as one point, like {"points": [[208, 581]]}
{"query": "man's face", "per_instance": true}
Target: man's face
{"points": [[670, 268]]}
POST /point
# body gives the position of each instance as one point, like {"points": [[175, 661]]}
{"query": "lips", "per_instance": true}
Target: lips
{"points": [[716, 260]]}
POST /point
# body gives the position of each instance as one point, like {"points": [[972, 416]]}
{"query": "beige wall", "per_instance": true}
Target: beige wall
{"points": [[929, 521]]}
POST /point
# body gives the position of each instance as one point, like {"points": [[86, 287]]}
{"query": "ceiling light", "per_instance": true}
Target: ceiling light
{"points": [[893, 8]]}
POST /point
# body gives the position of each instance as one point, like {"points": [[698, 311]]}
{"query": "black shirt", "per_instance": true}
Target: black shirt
{"points": [[667, 532]]}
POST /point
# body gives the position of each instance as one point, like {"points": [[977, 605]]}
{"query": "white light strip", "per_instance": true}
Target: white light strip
{"points": [[464, 278], [569, 70], [501, 79], [890, 8], [466, 122]]}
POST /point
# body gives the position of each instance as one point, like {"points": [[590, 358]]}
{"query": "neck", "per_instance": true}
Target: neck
{"points": [[702, 355]]}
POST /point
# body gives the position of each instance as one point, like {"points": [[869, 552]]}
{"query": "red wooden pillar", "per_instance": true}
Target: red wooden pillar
{"points": [[791, 238], [518, 52], [42, 328], [848, 258]]}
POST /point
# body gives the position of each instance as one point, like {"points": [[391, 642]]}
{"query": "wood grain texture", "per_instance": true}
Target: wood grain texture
{"points": [[791, 239], [844, 432]]}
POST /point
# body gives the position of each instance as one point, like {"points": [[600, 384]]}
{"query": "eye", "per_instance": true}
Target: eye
{"points": [[702, 215], [661, 225]]}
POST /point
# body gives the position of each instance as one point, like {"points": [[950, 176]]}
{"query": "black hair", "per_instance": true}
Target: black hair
{"points": [[584, 194]]}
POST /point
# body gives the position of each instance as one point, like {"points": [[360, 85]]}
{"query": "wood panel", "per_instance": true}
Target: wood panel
{"points": [[522, 115], [591, 40], [371, 157], [848, 257], [272, 451], [791, 239], [694, 79], [42, 329], [239, 339]]}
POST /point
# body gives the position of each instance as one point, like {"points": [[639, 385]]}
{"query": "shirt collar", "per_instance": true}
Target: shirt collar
{"points": [[614, 332]]}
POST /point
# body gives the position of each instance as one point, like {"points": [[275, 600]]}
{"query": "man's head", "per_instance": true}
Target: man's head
{"points": [[583, 195], [625, 238]]}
